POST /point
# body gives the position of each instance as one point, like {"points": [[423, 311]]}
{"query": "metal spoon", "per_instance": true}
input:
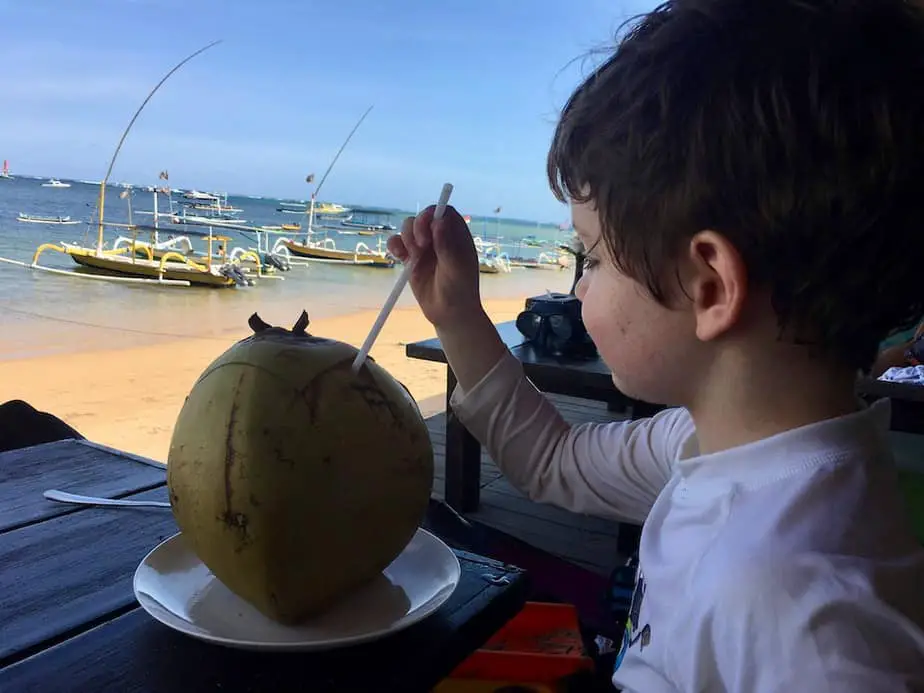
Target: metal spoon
{"points": [[64, 497]]}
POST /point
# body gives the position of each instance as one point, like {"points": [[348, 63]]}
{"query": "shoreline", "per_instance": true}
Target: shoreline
{"points": [[128, 396]]}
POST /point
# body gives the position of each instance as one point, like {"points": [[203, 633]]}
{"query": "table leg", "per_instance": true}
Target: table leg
{"points": [[463, 459], [628, 538]]}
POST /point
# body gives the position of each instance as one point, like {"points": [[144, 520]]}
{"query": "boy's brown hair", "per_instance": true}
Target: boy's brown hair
{"points": [[793, 127]]}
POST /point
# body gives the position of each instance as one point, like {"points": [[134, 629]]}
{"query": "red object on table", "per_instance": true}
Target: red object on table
{"points": [[541, 644]]}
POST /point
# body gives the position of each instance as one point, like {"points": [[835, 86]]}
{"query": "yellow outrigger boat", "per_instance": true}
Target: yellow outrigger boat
{"points": [[143, 261]]}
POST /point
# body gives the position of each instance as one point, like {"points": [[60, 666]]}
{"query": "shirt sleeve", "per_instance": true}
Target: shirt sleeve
{"points": [[612, 470], [802, 628]]}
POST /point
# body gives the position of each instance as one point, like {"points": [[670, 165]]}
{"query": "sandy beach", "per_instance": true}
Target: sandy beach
{"points": [[120, 397]]}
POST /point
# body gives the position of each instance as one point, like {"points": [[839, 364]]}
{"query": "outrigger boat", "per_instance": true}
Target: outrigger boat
{"points": [[489, 260], [171, 267], [139, 262], [37, 219], [179, 242], [327, 251], [134, 261], [544, 261]]}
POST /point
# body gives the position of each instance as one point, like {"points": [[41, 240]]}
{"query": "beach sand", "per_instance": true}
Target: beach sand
{"points": [[129, 398]]}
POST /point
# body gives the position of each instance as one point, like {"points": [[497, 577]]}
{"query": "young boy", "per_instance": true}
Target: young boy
{"points": [[747, 178]]}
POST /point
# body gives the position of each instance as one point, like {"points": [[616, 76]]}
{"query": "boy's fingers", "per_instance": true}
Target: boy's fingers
{"points": [[407, 237], [395, 246], [423, 234], [451, 234]]}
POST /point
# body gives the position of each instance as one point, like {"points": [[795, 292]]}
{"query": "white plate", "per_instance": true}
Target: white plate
{"points": [[178, 590]]}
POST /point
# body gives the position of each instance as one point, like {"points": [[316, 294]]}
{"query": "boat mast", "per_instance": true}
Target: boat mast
{"points": [[105, 181], [310, 178], [156, 219], [314, 194]]}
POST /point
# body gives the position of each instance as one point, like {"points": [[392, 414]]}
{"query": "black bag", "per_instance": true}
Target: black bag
{"points": [[552, 324]]}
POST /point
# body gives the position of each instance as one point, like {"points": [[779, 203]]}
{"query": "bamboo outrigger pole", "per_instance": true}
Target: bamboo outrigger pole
{"points": [[105, 181]]}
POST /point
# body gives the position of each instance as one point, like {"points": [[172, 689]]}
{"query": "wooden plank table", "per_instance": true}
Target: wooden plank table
{"points": [[69, 620], [590, 379]]}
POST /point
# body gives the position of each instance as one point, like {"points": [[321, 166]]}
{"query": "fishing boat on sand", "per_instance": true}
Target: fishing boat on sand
{"points": [[38, 219]]}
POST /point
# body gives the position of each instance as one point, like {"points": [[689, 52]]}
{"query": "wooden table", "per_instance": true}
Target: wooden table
{"points": [[591, 379], [907, 402], [69, 620]]}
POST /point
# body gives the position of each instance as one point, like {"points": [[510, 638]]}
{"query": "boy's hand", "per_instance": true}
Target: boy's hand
{"points": [[445, 275]]}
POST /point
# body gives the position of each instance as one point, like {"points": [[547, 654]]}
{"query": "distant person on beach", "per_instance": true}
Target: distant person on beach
{"points": [[746, 178]]}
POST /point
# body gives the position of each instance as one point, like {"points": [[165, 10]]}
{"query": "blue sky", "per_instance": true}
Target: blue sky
{"points": [[463, 90]]}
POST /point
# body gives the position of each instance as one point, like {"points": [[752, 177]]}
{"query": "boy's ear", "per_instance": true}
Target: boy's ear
{"points": [[717, 284]]}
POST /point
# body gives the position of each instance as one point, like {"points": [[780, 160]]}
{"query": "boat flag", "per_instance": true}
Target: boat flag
{"points": [[309, 178], [497, 211], [164, 175]]}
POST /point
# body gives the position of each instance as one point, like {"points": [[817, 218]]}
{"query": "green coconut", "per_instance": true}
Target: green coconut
{"points": [[296, 481]]}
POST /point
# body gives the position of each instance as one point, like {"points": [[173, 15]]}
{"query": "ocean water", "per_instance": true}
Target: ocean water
{"points": [[43, 313]]}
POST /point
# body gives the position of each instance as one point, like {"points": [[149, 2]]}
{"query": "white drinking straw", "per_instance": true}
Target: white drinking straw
{"points": [[398, 288]]}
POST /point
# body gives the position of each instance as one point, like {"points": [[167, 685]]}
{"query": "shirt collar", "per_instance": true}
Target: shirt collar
{"points": [[791, 451]]}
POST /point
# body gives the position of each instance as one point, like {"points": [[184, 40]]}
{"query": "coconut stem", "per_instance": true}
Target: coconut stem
{"points": [[257, 324], [302, 323]]}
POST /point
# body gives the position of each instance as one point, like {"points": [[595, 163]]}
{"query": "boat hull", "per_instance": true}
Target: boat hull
{"points": [[345, 256], [57, 221], [132, 267]]}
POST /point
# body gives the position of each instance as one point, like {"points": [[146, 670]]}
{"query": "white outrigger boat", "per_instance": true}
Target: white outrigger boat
{"points": [[489, 260], [38, 219]]}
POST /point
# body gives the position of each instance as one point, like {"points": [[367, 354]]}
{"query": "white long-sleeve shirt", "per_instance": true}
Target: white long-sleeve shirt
{"points": [[782, 565]]}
